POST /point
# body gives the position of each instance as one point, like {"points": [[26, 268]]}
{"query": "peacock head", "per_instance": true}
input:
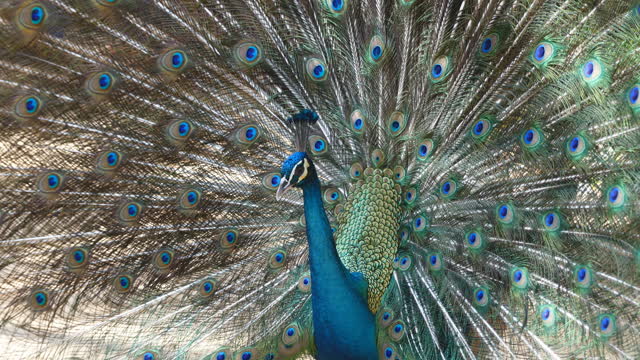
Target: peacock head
{"points": [[296, 171]]}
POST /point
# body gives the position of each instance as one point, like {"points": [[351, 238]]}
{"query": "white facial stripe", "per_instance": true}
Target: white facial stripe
{"points": [[306, 170], [293, 172]]}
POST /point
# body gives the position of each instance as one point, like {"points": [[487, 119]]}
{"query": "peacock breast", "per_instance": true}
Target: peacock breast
{"points": [[367, 234]]}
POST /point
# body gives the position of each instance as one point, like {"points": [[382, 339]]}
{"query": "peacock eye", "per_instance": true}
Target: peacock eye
{"points": [[174, 61], [100, 83], [316, 69], [248, 53], [440, 69], [33, 16], [489, 44], [336, 7], [543, 53]]}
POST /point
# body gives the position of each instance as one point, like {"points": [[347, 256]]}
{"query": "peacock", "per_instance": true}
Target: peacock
{"points": [[328, 179]]}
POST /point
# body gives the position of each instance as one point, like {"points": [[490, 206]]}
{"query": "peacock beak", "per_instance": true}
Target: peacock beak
{"points": [[282, 188]]}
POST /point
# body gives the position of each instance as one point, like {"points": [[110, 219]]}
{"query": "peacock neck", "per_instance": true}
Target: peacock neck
{"points": [[342, 323], [324, 259]]}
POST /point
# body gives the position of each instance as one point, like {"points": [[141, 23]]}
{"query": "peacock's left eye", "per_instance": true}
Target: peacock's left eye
{"points": [[174, 61], [316, 69]]}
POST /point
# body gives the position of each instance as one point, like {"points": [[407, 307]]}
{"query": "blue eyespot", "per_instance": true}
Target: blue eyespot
{"points": [[221, 356], [433, 259], [177, 60], [112, 158], [446, 187], [404, 261], [376, 52], [252, 53], [192, 197], [587, 69], [472, 238], [132, 210], [207, 287], [409, 197], [528, 137], [165, 257], [386, 316], [549, 219], [388, 352], [41, 298], [634, 94], [53, 181], [318, 71], [582, 274], [305, 281], [37, 14], [504, 210], [319, 145], [149, 356], [477, 129], [104, 81], [124, 282], [604, 323], [487, 45], [539, 53], [246, 355], [436, 70], [291, 331], [613, 194], [423, 150], [545, 314], [358, 124], [418, 222], [517, 275], [279, 257], [479, 295], [275, 180], [395, 125], [337, 5], [397, 328], [251, 133], [231, 237], [31, 105], [78, 256], [575, 142], [269, 356], [183, 128]]}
